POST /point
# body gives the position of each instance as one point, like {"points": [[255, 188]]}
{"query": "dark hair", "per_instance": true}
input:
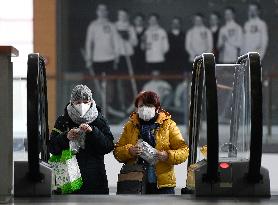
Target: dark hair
{"points": [[140, 14], [216, 14], [148, 97], [199, 15], [231, 9], [124, 10], [156, 15], [101, 4], [177, 18], [257, 5]]}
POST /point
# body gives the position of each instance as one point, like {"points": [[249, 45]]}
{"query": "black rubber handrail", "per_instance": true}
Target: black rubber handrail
{"points": [[204, 77], [255, 69], [212, 118], [36, 115]]}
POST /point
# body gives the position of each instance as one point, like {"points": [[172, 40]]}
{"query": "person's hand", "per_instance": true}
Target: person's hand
{"points": [[73, 134], [85, 128], [162, 156], [135, 150]]}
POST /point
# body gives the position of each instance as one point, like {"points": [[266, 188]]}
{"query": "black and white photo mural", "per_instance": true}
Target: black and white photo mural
{"points": [[120, 47]]}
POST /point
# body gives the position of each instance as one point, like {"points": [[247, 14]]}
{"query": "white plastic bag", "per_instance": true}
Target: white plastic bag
{"points": [[149, 153]]}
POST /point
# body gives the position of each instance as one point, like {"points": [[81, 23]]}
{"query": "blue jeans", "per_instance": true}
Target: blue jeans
{"points": [[151, 188]]}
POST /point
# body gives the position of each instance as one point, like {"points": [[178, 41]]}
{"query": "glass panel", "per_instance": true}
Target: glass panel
{"points": [[20, 119], [233, 89]]}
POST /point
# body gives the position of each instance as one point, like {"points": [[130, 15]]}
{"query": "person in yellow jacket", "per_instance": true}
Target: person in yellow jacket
{"points": [[155, 126]]}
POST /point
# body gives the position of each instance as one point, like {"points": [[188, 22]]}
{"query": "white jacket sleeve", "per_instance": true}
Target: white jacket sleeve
{"points": [[264, 40], [239, 38], [243, 47], [89, 43], [220, 42], [115, 39], [133, 38], [188, 46], [210, 41], [165, 43]]}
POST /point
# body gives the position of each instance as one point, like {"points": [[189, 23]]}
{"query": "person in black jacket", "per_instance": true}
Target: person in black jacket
{"points": [[214, 21], [83, 114], [177, 57]]}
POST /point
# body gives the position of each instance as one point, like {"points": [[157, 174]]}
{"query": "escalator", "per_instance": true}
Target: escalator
{"points": [[226, 115]]}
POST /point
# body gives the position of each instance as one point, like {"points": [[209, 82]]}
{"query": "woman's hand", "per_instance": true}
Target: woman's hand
{"points": [[73, 134], [135, 150], [85, 128], [162, 156]]}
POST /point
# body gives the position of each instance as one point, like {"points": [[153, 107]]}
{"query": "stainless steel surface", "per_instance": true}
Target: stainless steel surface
{"points": [[146, 200]]}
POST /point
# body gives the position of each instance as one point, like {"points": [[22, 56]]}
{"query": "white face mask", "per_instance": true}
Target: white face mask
{"points": [[146, 113], [82, 108]]}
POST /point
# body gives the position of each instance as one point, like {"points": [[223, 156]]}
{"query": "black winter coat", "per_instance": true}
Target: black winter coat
{"points": [[90, 160]]}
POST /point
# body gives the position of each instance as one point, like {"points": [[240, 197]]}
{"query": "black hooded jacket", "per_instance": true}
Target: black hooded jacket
{"points": [[91, 159]]}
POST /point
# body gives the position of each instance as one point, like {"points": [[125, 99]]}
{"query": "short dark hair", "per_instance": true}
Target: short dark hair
{"points": [[101, 4], [232, 9], [124, 10], [156, 15], [199, 15], [257, 5], [177, 18], [216, 13], [148, 97], [140, 14]]}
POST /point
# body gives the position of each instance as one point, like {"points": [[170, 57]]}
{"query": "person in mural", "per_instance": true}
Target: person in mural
{"points": [[214, 21], [230, 38], [127, 40], [176, 56], [139, 54], [255, 32], [101, 53], [101, 43], [156, 127], [198, 38], [156, 45]]}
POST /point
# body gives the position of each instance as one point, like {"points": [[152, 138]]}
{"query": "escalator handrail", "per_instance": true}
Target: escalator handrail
{"points": [[212, 118], [33, 80], [255, 70], [208, 77]]}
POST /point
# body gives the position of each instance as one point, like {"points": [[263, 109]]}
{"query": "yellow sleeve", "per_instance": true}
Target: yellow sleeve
{"points": [[121, 151], [179, 150], [204, 150]]}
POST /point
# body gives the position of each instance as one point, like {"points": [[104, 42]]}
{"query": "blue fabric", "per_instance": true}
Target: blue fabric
{"points": [[148, 132], [151, 174], [148, 135]]}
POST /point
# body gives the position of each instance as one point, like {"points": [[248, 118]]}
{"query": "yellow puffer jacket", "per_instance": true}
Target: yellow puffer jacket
{"points": [[168, 138]]}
